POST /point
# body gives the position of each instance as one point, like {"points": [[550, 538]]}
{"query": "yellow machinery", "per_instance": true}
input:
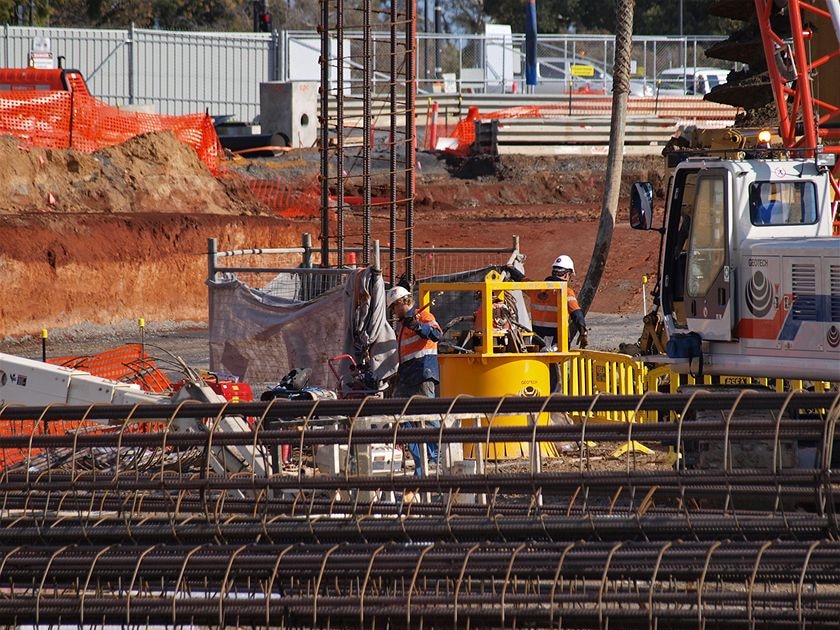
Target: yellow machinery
{"points": [[509, 362]]}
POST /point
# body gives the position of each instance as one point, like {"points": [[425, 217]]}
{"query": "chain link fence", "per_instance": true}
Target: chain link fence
{"points": [[494, 64]]}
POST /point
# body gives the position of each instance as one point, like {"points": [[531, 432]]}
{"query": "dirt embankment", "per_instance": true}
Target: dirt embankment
{"points": [[122, 233]]}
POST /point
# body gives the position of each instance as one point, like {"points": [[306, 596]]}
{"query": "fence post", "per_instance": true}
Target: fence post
{"points": [[273, 57], [212, 248], [307, 250], [129, 44], [282, 65]]}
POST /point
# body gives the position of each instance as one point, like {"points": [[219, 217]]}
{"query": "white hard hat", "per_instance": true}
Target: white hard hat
{"points": [[564, 262], [395, 293]]}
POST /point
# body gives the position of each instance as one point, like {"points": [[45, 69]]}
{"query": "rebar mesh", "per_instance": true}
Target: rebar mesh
{"points": [[127, 527], [365, 174]]}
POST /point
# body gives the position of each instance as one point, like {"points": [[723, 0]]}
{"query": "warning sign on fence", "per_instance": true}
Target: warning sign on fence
{"points": [[41, 60]]}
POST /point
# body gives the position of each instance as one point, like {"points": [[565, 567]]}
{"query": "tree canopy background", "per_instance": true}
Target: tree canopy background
{"points": [[652, 17]]}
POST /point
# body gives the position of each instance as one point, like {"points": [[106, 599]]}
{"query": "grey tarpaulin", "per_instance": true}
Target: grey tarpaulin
{"points": [[259, 338], [368, 336]]}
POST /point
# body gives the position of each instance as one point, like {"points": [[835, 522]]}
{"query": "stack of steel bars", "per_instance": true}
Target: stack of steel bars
{"points": [[730, 523]]}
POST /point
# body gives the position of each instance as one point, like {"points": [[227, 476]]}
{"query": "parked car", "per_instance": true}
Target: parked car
{"points": [[556, 75], [680, 81]]}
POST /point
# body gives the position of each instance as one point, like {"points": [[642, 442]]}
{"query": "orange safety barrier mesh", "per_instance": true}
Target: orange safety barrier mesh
{"points": [[283, 198], [12, 456], [30, 428], [75, 120], [127, 364]]}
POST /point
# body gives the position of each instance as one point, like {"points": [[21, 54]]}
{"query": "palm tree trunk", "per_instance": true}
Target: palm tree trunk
{"points": [[615, 158]]}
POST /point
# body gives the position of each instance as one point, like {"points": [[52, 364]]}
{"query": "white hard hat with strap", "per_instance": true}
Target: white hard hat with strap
{"points": [[564, 262], [395, 293]]}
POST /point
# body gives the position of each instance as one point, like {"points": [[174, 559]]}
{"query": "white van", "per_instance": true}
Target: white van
{"points": [[679, 81]]}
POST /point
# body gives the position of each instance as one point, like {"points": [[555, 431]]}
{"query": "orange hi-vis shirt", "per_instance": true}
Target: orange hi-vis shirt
{"points": [[412, 345], [544, 307]]}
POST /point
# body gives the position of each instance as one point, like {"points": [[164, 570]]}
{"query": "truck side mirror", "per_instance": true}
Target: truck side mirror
{"points": [[641, 206]]}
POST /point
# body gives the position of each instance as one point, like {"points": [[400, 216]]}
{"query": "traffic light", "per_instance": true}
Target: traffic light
{"points": [[262, 17]]}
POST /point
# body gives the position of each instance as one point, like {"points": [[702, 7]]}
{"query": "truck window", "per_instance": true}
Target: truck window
{"points": [[783, 203], [706, 252]]}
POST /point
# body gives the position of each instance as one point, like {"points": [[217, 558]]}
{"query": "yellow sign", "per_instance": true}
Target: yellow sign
{"points": [[580, 70], [735, 380]]}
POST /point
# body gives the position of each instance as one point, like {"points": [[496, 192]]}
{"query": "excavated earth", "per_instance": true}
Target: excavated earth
{"points": [[102, 239]]}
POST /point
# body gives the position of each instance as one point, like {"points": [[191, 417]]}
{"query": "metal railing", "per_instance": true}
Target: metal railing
{"points": [[305, 261]]}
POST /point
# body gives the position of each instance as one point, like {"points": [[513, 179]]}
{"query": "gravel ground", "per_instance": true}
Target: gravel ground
{"points": [[185, 339], [189, 340]]}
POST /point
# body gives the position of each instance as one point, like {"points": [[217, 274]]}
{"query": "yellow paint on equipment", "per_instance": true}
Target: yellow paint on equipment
{"points": [[493, 369], [502, 375]]}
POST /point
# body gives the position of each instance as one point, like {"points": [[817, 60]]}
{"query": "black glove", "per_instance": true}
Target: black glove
{"points": [[513, 273], [583, 338], [404, 282], [410, 322]]}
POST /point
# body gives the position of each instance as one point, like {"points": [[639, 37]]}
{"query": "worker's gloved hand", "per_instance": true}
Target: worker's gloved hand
{"points": [[583, 338], [513, 273], [410, 322], [405, 281]]}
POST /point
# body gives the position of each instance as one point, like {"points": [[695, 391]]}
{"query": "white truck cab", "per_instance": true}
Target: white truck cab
{"points": [[748, 261]]}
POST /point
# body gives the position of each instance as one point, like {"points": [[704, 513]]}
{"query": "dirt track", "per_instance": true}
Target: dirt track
{"points": [[106, 238]]}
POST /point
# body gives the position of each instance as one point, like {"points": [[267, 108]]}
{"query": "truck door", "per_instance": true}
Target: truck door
{"points": [[708, 303]]}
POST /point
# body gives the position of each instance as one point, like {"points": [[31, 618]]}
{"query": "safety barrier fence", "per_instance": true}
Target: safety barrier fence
{"points": [[296, 272], [135, 528], [591, 372], [76, 120]]}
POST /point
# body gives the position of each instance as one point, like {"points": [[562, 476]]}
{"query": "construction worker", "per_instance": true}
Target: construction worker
{"points": [[544, 308], [544, 303], [419, 373], [769, 210]]}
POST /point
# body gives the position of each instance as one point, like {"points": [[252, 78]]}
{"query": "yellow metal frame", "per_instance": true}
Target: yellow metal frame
{"points": [[494, 371], [493, 284]]}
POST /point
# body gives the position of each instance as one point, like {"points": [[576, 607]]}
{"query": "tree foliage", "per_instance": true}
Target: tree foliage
{"points": [[234, 15], [653, 17]]}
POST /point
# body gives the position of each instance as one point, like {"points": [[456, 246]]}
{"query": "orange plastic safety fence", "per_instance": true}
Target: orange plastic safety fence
{"points": [[12, 456], [28, 428], [74, 120], [284, 199], [128, 364]]}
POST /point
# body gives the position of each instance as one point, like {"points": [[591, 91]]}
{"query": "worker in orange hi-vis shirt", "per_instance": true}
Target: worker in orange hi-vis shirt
{"points": [[544, 307], [419, 373]]}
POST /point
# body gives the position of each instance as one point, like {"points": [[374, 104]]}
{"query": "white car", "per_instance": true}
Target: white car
{"points": [[681, 81], [559, 75]]}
